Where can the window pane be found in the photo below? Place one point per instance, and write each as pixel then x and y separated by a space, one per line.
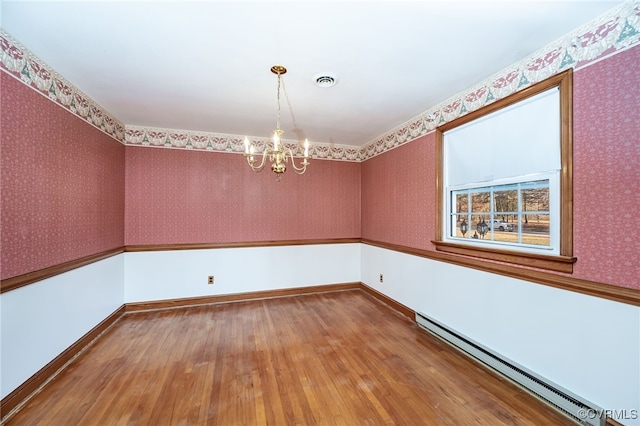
pixel 535 196
pixel 535 229
pixel 480 201
pixel 462 226
pixel 462 202
pixel 480 226
pixel 506 200
pixel 505 228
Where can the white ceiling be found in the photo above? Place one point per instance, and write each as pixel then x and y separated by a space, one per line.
pixel 204 65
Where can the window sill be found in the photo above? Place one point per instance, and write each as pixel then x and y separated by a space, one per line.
pixel 532 260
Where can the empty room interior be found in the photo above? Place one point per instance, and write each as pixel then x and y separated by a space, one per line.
pixel 345 212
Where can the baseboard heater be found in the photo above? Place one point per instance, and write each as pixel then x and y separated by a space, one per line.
pixel 575 407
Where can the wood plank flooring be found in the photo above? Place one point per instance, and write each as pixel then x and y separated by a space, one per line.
pixel 339 358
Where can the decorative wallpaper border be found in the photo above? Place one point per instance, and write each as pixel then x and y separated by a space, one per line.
pixel 221 142
pixel 32 71
pixel 617 30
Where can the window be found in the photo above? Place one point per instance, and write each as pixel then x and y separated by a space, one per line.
pixel 515 215
pixel 505 179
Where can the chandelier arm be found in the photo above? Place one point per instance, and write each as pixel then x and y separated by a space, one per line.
pixel 256 169
pixel 262 163
pixel 298 170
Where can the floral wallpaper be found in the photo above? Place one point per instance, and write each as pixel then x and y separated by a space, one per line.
pixel 606 170
pixel 62 183
pixel 398 195
pixel 178 196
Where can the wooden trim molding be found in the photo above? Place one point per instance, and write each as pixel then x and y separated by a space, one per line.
pixel 26 390
pixel 592 288
pixel 612 422
pixel 565 84
pixel 395 305
pixel 606 291
pixel 268 294
pixel 552 263
pixel 206 246
pixel 18 281
pixel 235 297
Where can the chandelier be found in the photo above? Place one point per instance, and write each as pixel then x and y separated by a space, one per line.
pixel 277 154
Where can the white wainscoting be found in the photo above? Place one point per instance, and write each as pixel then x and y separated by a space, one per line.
pixel 589 346
pixel 162 275
pixel 41 320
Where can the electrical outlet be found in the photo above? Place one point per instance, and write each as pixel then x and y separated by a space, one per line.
pixel 381 278
pixel 210 279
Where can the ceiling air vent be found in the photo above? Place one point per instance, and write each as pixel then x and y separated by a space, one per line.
pixel 325 80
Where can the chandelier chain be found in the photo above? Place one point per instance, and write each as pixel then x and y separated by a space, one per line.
pixel 278 98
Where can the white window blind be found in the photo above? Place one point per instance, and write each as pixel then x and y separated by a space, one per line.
pixel 515 141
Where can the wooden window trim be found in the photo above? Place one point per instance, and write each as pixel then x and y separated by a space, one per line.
pixel 565 260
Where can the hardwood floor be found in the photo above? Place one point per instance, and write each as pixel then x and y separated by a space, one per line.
pixel 339 358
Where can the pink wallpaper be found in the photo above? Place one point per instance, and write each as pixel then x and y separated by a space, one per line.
pixel 607 170
pixel 63 187
pixel 62 183
pixel 179 196
pixel 398 197
pixel 398 186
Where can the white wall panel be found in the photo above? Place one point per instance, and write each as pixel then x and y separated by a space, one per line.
pixel 589 346
pixel 164 275
pixel 41 320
